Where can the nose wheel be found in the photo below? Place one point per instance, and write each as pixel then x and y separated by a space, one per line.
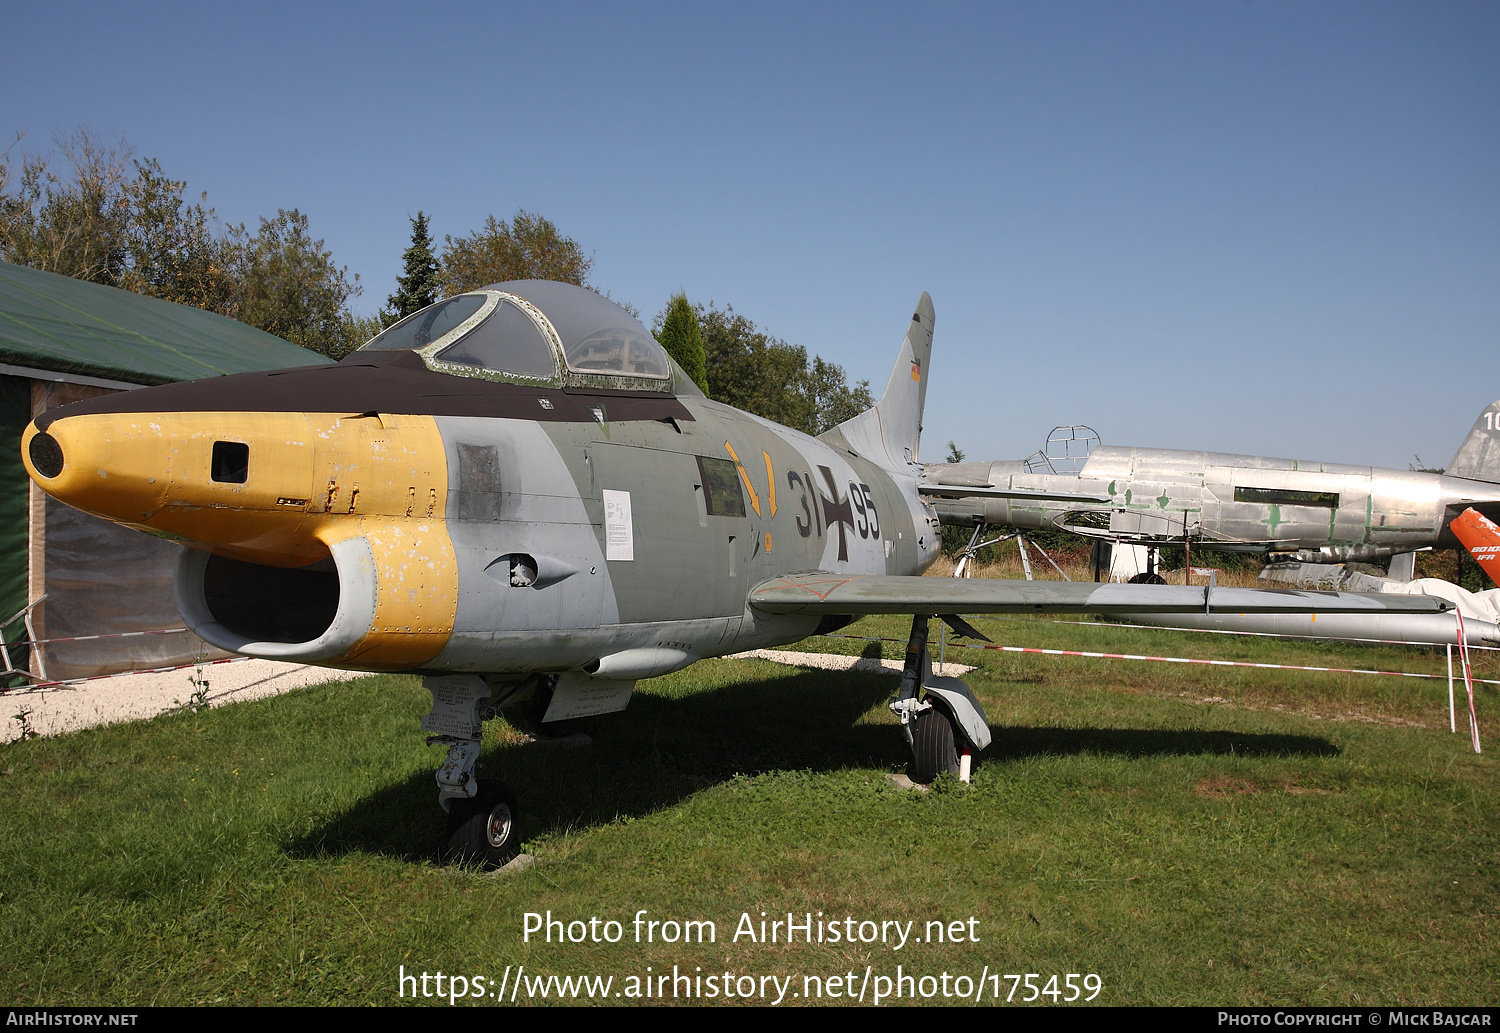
pixel 483 826
pixel 483 829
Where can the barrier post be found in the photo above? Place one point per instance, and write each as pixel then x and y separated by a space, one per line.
pixel 1452 719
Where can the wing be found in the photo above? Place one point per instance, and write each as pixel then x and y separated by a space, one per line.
pixel 824 593
pixel 966 491
pixel 1217 541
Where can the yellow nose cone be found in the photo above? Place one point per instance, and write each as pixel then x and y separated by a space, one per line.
pixel 241 483
pixel 111 465
pixel 267 487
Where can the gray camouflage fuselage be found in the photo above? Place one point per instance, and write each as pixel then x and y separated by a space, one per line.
pixel 805 505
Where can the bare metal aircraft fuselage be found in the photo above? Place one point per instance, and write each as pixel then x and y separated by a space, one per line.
pixel 1314 510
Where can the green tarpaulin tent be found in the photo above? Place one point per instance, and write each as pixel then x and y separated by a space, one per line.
pixel 64 325
pixel 61 337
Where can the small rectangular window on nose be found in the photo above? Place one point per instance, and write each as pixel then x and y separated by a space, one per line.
pixel 231 462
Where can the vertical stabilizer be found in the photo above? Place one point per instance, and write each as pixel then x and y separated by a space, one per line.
pixel 890 432
pixel 1478 458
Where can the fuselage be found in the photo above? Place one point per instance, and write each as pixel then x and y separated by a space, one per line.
pixel 378 514
pixel 1221 500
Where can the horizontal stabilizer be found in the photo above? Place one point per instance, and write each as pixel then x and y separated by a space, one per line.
pixel 824 593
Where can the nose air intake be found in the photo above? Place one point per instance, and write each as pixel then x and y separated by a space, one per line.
pixel 271 604
pixel 306 614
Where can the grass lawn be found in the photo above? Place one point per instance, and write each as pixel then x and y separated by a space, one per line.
pixel 1189 835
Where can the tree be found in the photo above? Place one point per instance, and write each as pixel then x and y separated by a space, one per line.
pixel 75 228
pixel 955 454
pixel 417 287
pixel 528 248
pixel 110 218
pixel 682 337
pixel 117 220
pixel 172 250
pixel 751 370
pixel 833 400
pixel 291 287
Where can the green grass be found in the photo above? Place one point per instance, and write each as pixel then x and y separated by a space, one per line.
pixel 1303 839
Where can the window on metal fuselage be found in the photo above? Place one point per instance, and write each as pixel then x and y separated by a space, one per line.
pixel 721 487
pixel 1287 497
pixel 231 462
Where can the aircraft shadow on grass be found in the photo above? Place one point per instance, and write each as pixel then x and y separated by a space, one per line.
pixel 661 751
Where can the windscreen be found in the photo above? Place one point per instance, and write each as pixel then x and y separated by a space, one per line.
pixel 507 342
pixel 422 328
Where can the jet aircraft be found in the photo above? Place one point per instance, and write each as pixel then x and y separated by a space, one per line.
pixel 517 494
pixel 1309 511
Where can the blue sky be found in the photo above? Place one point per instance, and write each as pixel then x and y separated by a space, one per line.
pixel 1252 227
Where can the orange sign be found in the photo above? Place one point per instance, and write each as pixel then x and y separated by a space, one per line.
pixel 1481 537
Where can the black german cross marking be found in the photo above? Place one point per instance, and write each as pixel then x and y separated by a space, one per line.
pixel 841 512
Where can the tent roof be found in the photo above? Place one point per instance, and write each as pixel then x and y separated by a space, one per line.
pixel 57 323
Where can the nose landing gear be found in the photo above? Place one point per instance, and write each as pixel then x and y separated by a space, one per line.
pixel 483 829
pixel 483 825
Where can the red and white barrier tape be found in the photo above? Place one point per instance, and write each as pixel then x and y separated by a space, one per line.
pixel 70 682
pixel 91 638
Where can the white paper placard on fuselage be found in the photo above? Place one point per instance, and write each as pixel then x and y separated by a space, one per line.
pixel 578 695
pixel 619 535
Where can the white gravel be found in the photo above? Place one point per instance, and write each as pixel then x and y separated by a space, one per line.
pixel 134 697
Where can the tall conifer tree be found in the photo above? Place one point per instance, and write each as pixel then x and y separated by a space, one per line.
pixel 682 337
pixel 417 287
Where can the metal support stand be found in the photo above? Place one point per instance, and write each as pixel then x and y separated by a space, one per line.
pixel 1043 553
pixel 970 555
pixel 1187 552
pixel 24 616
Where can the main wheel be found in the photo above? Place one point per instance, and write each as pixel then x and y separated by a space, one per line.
pixel 933 744
pixel 1148 579
pixel 484 829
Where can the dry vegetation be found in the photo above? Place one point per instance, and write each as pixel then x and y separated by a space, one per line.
pixel 1075 563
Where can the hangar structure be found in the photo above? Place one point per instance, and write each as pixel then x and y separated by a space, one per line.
pixel 63 340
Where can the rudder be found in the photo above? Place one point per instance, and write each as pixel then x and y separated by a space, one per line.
pixel 1478 458
pixel 890 432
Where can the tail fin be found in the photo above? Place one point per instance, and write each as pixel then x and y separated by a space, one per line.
pixel 890 432
pixel 1478 458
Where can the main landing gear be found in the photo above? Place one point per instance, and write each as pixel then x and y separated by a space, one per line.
pixel 943 722
pixel 483 825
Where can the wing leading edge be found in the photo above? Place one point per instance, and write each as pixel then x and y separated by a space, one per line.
pixel 825 593
pixel 965 491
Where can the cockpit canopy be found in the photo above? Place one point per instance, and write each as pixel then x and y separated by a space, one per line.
pixel 534 332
